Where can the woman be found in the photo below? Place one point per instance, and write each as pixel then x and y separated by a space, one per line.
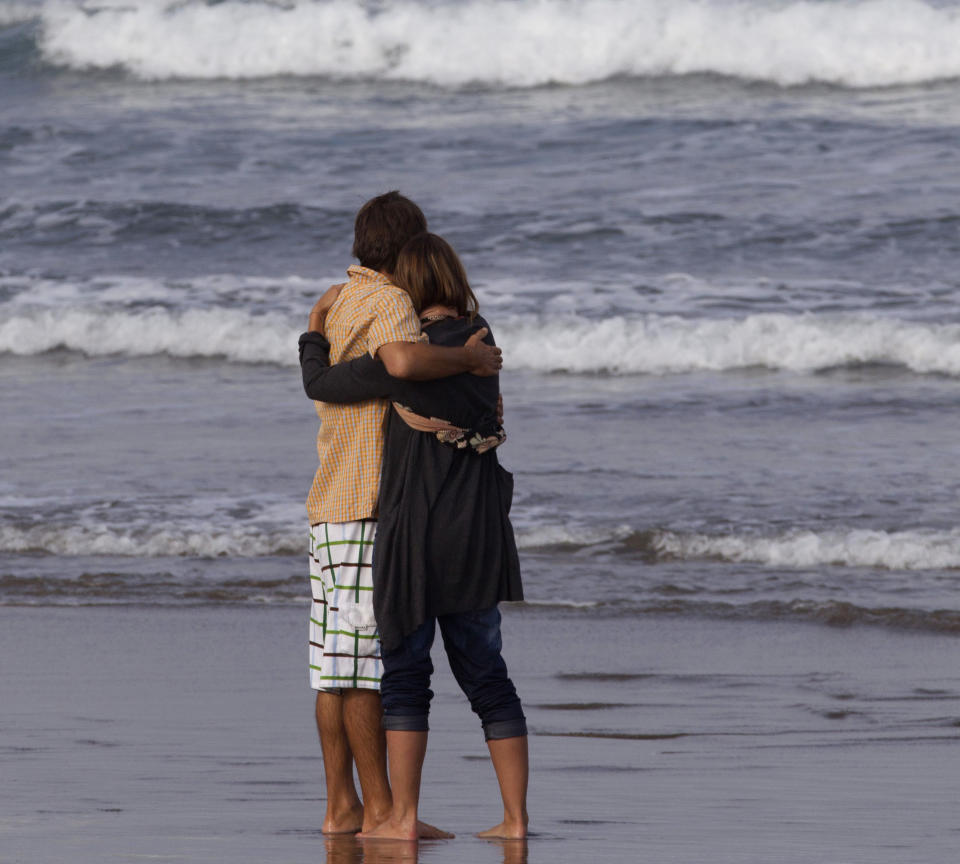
pixel 445 551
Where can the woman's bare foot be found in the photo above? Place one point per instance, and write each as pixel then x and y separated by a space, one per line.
pixel 506 831
pixel 392 829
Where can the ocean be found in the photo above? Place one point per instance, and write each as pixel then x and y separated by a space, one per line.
pixel 716 239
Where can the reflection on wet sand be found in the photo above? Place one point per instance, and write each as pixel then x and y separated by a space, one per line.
pixel 347 849
pixel 514 851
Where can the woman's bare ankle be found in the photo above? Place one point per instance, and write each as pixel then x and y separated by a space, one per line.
pixel 509 829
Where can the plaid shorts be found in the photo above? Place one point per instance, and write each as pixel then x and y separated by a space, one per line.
pixel 344 643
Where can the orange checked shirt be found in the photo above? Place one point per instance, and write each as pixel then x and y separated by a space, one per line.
pixel 369 312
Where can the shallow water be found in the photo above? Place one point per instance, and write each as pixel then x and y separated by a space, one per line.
pixel 187 733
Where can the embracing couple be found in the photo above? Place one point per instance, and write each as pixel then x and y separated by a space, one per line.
pixel 409 524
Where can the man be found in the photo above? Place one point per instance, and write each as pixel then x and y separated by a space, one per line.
pixel 368 314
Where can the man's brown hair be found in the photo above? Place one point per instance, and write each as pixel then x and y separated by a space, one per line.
pixel 431 273
pixel 381 228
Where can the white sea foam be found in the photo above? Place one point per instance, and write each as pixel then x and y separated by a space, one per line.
pixel 15 13
pixel 656 344
pixel 229 333
pixel 206 540
pixel 152 541
pixel 890 550
pixel 115 291
pixel 647 344
pixel 857 43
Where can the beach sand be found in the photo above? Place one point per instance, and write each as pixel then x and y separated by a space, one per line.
pixel 186 734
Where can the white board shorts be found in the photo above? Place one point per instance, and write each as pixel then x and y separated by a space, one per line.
pixel 344 642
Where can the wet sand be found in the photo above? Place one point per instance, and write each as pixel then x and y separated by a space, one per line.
pixel 186 734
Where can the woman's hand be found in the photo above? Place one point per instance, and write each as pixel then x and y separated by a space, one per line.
pixel 318 315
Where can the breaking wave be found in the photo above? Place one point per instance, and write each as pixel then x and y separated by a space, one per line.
pixel 515 43
pixel 204 540
pixel 256 562
pixel 152 541
pixel 656 344
pixel 232 334
pixel 620 345
pixel 889 550
pixel 886 550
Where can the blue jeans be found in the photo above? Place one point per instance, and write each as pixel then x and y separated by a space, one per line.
pixel 473 644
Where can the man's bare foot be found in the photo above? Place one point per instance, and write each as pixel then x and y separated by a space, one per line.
pixel 426 831
pixel 506 831
pixel 344 821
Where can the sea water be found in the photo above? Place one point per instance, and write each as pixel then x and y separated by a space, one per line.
pixel 717 242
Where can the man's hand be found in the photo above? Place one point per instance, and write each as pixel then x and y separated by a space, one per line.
pixel 318 315
pixel 485 359
pixel 420 361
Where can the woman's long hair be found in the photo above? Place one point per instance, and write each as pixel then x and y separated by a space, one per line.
pixel 431 273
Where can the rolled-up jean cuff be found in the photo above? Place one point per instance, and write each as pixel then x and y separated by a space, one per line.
pixel 406 722
pixel 505 729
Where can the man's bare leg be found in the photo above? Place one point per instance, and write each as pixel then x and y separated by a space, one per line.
pixel 511 762
pixel 361 717
pixel 344 810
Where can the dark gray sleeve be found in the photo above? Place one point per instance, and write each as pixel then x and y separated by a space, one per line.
pixel 352 381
